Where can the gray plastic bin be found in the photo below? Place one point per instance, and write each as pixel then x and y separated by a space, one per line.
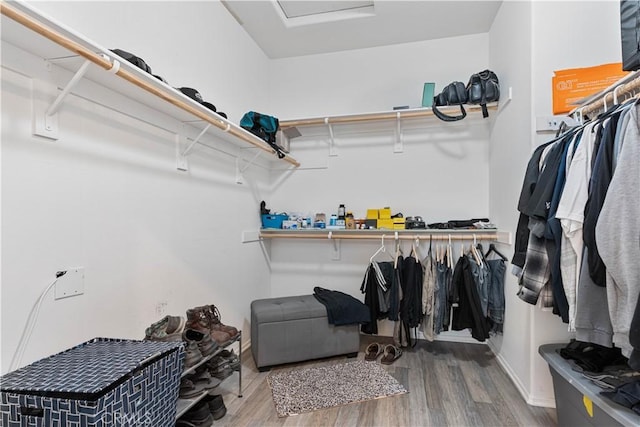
pixel 570 389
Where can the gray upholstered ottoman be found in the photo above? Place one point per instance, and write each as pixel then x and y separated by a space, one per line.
pixel 293 329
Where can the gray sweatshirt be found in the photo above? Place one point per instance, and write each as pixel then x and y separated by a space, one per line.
pixel 618 235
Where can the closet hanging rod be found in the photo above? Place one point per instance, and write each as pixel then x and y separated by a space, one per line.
pixel 356 118
pixel 40 28
pixel 628 84
pixel 355 236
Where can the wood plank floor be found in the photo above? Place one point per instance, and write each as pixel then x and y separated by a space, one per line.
pixel 450 384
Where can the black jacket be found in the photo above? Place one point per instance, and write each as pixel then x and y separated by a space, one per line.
pixel 342 309
pixel 468 314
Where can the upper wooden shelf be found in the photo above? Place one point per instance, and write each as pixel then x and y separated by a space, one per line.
pixel 473 112
pixel 399 122
pixel 31 31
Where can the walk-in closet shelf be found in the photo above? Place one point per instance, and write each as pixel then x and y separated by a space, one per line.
pixel 59 46
pixel 420 234
pixel 398 122
pixel 184 405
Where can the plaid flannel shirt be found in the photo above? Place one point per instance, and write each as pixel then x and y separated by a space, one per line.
pixel 534 281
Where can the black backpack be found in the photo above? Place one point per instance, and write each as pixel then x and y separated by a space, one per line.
pixel 483 87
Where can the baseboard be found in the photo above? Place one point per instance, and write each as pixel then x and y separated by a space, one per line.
pixel 246 345
pixel 458 338
pixel 531 400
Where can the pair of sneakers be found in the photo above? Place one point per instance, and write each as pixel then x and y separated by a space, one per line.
pixel 169 328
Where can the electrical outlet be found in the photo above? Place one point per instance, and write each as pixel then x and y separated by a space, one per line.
pixel 552 123
pixel 70 284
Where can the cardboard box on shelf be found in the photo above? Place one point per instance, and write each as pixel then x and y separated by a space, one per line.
pixel 572 85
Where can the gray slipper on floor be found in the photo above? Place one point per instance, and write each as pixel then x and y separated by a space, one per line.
pixel 391 354
pixel 373 351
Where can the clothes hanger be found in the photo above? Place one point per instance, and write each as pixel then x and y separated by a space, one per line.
pixel 398 252
pixel 492 248
pixel 474 253
pixel 414 249
pixel 381 249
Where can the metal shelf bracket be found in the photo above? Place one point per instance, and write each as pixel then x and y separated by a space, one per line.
pixel 241 170
pixel 332 143
pixel 398 146
pixel 45 115
pixel 184 147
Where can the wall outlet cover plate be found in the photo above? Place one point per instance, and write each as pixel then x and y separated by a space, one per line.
pixel 71 284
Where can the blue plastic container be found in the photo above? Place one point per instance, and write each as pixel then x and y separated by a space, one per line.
pixel 273 221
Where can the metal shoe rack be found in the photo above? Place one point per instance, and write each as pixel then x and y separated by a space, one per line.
pixel 184 405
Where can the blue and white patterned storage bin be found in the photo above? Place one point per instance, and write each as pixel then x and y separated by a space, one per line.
pixel 103 382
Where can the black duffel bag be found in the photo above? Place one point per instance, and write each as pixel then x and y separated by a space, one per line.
pixel 453 94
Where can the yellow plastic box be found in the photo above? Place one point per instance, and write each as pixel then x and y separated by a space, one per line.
pixel 385 223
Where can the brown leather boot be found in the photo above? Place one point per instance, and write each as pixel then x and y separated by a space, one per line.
pixel 214 315
pixel 199 319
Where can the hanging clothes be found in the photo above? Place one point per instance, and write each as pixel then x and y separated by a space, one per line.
pixel 617 234
pixel 411 304
pixel 439 296
pixel 395 291
pixel 570 213
pixel 536 272
pixel 553 233
pixel 481 278
pixel 495 312
pixel 468 313
pixel 585 215
pixel 369 288
pixel 600 178
pixel 428 296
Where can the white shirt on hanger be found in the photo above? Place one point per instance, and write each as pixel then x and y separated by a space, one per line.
pixel 571 215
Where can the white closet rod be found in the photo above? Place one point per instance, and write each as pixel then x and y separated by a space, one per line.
pixel 626 85
pixel 390 236
pixel 18 16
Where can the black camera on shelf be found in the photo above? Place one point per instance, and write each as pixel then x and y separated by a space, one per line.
pixel 411 223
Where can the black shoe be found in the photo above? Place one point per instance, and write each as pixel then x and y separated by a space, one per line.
pixel 199 415
pixel 216 406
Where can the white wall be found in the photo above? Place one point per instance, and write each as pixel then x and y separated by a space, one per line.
pixel 590 37
pixel 510 57
pixel 442 173
pixel 107 195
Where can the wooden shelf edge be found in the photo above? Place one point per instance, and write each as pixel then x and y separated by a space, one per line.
pixel 414 113
pixel 421 234
pixel 38 24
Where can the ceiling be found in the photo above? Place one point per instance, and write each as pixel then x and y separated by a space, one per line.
pixel 295 28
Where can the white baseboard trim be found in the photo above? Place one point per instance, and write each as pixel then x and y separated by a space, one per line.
pixel 531 400
pixel 246 345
